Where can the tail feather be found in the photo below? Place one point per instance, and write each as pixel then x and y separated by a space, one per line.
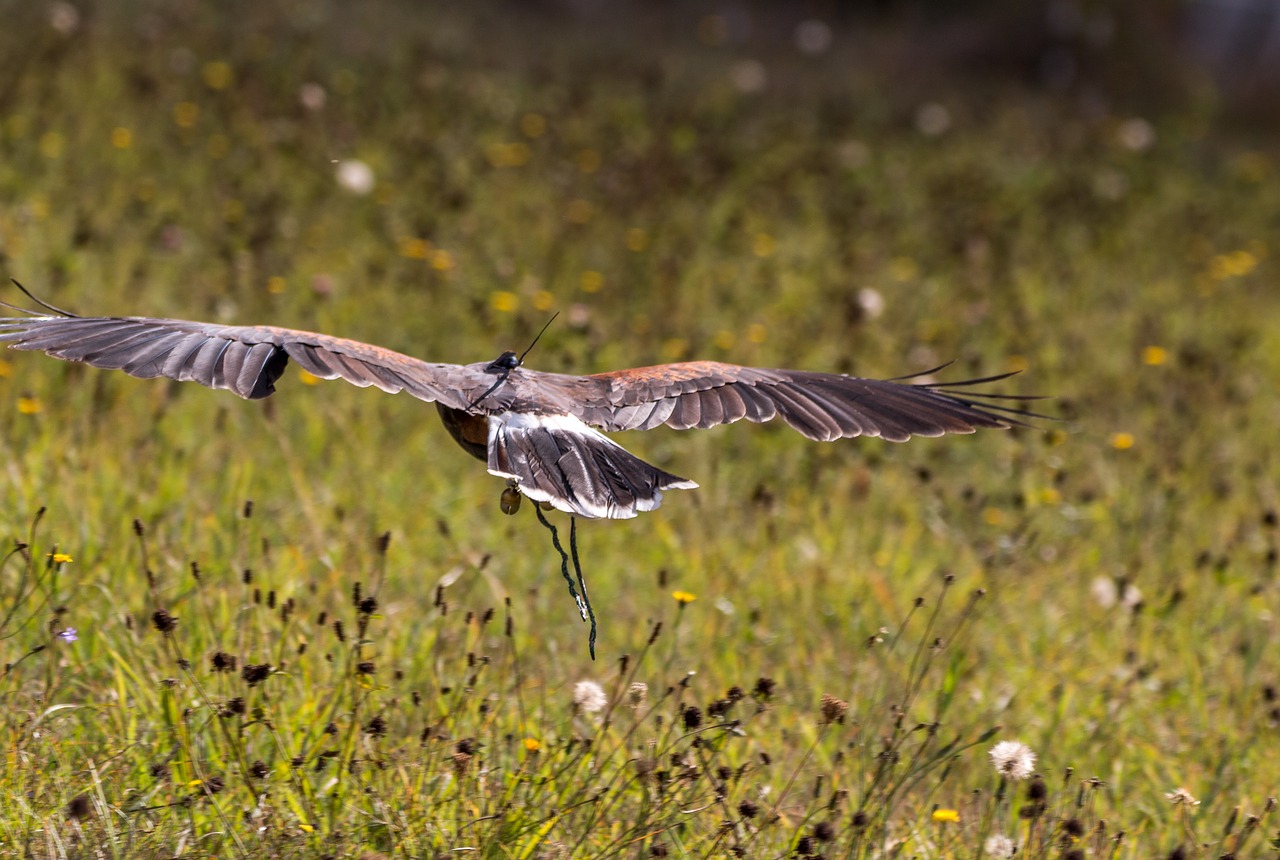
pixel 559 459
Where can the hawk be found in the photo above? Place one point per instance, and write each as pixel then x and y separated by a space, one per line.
pixel 541 431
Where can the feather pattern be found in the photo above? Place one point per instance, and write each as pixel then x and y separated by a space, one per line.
pixel 559 459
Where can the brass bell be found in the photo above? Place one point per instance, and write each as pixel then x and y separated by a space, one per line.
pixel 510 502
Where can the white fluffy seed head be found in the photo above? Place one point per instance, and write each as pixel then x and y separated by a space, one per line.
pixel 589 697
pixel 1013 760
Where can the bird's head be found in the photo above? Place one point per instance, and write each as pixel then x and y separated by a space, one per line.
pixel 504 363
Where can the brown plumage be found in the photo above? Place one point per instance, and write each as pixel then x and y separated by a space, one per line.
pixel 538 430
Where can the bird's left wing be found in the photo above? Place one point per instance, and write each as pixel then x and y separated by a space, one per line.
pixel 821 406
pixel 246 360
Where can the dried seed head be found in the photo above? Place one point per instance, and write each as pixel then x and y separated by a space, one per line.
pixel 223 662
pixel 764 688
pixel 79 807
pixel 368 606
pixel 377 727
pixel 255 673
pixel 259 769
pixel 692 717
pixel 637 694
pixel 833 709
pixel 748 808
pixel 163 621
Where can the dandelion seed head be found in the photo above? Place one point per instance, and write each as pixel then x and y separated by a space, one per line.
pixel 312 96
pixel 813 36
pixel 1013 760
pixel 355 176
pixel 589 697
pixel 64 18
pixel 933 119
pixel 871 302
pixel 749 76
pixel 1000 846
pixel 1104 592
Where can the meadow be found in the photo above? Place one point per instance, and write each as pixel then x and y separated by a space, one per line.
pixel 301 627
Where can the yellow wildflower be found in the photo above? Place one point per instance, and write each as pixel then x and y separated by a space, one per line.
pixel 503 301
pixel 1155 356
pixel 684 597
pixel 591 281
pixel 532 744
pixel 533 125
pixel 946 815
pixel 185 114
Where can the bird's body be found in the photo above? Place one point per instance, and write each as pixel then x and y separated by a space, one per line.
pixel 541 431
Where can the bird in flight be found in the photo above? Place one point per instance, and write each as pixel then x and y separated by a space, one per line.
pixel 541 431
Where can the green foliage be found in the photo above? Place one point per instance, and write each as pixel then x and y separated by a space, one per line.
pixel 869 619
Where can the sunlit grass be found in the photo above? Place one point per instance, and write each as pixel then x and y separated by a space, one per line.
pixel 829 638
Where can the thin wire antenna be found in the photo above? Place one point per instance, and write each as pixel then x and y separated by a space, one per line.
pixel 506 369
pixel 40 302
pixel 540 334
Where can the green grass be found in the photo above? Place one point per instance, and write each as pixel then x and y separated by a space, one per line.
pixel 158 161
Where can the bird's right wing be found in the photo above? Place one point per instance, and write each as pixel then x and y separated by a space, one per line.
pixel 246 360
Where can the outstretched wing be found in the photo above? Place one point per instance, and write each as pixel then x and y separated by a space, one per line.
pixel 822 406
pixel 246 360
